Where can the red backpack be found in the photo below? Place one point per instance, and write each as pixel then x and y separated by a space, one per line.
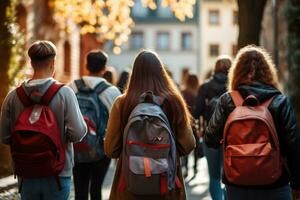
pixel 37 149
pixel 251 146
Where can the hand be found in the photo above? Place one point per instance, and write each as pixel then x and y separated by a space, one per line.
pixel 296 194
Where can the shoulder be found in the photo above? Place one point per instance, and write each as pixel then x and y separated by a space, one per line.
pixel 113 90
pixel 66 92
pixel 10 97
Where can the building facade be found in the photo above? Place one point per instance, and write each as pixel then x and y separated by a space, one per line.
pixel 35 18
pixel 219 31
pixel 177 43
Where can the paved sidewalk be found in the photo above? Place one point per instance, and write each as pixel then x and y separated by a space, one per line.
pixel 197 187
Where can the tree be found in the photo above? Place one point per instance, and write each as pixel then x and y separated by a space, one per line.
pixel 250 18
pixel 293 40
pixel 5 55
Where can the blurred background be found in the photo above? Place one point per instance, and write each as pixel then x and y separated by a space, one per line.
pixel 187 35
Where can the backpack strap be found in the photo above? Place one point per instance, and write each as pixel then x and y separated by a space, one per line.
pixel 237 98
pixel 268 102
pixel 24 98
pixel 81 86
pixel 103 85
pixel 50 93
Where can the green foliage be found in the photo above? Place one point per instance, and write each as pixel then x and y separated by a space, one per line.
pixel 293 40
pixel 17 44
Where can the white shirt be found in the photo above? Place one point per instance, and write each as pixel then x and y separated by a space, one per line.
pixel 107 97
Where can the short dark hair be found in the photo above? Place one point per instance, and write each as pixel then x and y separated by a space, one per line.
pixel 41 52
pixel 96 61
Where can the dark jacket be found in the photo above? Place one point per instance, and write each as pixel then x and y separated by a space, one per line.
pixel 286 127
pixel 213 87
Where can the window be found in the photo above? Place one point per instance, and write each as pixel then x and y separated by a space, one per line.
pixel 163 41
pixel 213 50
pixel 139 10
pixel 214 17
pixel 186 41
pixel 233 49
pixel 136 40
pixel 164 12
pixel 235 16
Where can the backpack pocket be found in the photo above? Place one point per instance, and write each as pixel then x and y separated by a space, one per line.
pixel 251 164
pixel 35 165
pixel 147 176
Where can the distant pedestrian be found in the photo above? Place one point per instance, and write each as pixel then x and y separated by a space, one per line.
pixel 154 167
pixel 185 72
pixel 122 82
pixel 40 120
pixel 261 140
pixel 190 94
pixel 207 98
pixel 95 96
pixel 110 75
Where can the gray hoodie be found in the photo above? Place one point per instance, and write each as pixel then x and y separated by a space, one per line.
pixel 65 108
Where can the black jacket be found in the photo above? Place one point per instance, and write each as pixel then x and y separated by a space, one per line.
pixel 285 122
pixel 213 87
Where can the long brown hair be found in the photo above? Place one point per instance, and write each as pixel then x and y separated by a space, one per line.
pixel 149 74
pixel 252 64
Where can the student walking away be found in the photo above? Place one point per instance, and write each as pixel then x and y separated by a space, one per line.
pixel 95 97
pixel 207 99
pixel 110 75
pixel 257 126
pixel 40 120
pixel 147 135
pixel 189 94
pixel 123 79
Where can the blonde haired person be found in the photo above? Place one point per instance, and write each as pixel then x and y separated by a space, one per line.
pixel 253 73
pixel 148 74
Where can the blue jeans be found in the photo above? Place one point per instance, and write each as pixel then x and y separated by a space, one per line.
pixel 214 159
pixel 45 189
pixel 237 193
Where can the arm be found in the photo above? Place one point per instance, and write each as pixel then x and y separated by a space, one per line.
pixel 113 138
pixel 185 140
pixel 5 126
pixel 109 96
pixel 214 131
pixel 76 126
pixel 290 139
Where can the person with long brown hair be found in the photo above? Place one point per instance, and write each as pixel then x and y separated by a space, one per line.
pixel 254 77
pixel 148 74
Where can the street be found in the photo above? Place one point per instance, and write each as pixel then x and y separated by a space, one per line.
pixel 197 187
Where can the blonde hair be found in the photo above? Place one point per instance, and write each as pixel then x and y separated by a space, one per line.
pixel 252 64
pixel 41 51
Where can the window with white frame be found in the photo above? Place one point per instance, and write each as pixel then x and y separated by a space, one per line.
pixel 136 40
pixel 163 41
pixel 186 41
pixel 214 17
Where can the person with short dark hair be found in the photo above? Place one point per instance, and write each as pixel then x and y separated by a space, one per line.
pixel 68 116
pixel 90 170
pixel 122 82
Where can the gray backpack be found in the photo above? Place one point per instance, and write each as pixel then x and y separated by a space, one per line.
pixel 149 150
